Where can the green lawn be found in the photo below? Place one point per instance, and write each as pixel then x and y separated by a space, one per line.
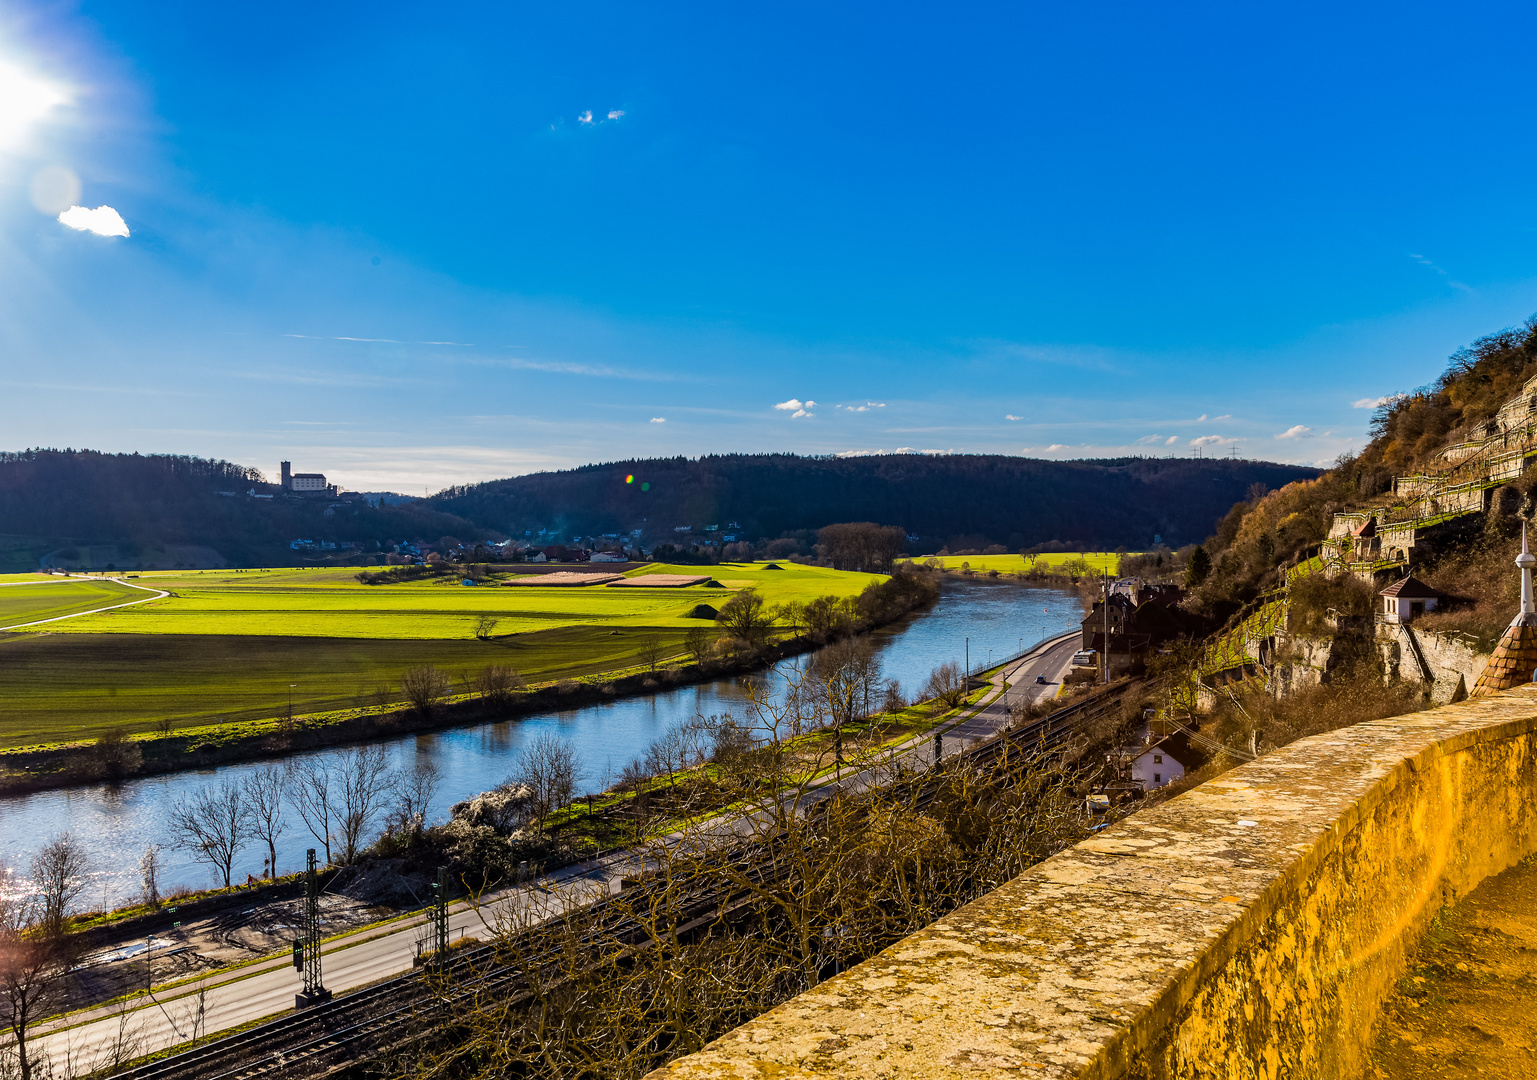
pixel 228 644
pixel 1014 564
pixel 331 603
pixel 31 597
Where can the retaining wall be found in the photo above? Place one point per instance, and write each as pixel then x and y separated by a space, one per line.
pixel 1250 927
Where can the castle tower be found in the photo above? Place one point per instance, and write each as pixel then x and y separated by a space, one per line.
pixel 1515 657
pixel 288 478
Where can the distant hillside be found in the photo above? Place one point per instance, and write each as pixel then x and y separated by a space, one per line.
pixel 92 509
pixel 959 501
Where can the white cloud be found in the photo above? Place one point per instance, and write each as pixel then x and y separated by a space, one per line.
pixel 1212 440
pixel 1224 416
pixel 585 117
pixel 1171 440
pixel 798 413
pixel 1374 402
pixel 659 419
pixel 1296 431
pixel 1149 439
pixel 1011 416
pixel 792 404
pixel 615 114
pixel 1054 447
pixel 103 221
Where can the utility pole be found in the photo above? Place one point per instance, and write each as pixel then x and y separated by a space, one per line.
pixel 307 945
pixel 1104 609
pixel 440 918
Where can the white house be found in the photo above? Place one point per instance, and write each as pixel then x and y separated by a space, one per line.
pixel 1406 598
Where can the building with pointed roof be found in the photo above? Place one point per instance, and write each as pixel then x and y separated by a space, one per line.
pixel 1406 598
pixel 1515 658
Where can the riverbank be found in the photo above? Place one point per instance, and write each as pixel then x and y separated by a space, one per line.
pixel 26 770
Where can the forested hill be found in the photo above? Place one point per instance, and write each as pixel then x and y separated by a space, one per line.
pixel 166 511
pixel 959 501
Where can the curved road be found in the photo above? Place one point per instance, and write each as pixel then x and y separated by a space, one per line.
pixel 156 594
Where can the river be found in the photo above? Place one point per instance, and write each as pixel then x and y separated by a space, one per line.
pixel 116 822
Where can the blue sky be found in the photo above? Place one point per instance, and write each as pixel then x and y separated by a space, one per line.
pixel 412 247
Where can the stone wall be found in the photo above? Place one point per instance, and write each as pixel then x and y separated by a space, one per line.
pixel 1250 927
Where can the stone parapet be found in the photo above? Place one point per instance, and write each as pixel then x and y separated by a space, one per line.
pixel 1250 927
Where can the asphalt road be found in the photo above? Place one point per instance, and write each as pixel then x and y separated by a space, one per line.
pixel 233 997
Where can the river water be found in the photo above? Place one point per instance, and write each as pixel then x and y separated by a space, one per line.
pixel 116 822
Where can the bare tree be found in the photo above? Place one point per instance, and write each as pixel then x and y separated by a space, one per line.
pixel 32 961
pixel 549 770
pixel 947 685
pixel 58 874
pixel 485 626
pixel 744 617
pixel 700 642
pixel 309 783
pixel 842 678
pixel 424 687
pixel 364 785
pixel 264 790
pixel 149 875
pixel 213 825
pixel 497 683
pixel 415 790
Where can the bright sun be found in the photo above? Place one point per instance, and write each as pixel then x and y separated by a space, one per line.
pixel 24 99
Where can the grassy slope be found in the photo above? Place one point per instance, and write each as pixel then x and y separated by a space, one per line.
pixel 1014 564
pixel 60 686
pixel 30 598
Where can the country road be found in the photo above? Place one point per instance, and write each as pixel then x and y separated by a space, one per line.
pixel 155 594
pixel 233 997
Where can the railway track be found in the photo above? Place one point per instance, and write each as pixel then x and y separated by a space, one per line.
pixel 350 1027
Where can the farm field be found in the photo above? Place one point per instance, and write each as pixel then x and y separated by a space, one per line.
pixel 229 644
pixel 332 603
pixel 30 597
pixel 66 687
pixel 1014 564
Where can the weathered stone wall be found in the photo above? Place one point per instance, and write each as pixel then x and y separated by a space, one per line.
pixel 1250 927
pixel 1451 653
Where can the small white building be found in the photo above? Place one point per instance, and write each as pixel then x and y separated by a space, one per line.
pixel 1155 767
pixel 1406 598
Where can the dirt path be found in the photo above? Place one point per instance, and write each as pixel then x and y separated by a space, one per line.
pixel 1467 1007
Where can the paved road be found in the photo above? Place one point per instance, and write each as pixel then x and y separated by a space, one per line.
pixel 155 594
pixel 231 998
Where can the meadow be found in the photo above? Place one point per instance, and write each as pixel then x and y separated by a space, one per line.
pixel 232 646
pixel 31 598
pixel 1099 561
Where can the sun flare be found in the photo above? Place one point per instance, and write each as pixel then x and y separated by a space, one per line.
pixel 24 100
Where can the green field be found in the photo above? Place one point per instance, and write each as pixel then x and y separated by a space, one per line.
pixel 332 603
pixel 228 645
pixel 1014 564
pixel 32 597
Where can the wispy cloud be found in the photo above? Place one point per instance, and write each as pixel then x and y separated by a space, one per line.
pixel 380 340
pixel 1171 440
pixel 1374 402
pixel 1011 416
pixel 615 114
pixel 1148 440
pixel 1451 281
pixel 1296 431
pixel 659 419
pixel 103 221
pixel 585 117
pixel 1212 440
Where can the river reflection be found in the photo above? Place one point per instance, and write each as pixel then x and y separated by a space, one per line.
pixel 117 822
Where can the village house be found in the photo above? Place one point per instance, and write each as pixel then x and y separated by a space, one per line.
pixel 1407 598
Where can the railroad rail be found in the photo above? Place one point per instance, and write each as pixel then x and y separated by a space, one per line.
pixel 351 1027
